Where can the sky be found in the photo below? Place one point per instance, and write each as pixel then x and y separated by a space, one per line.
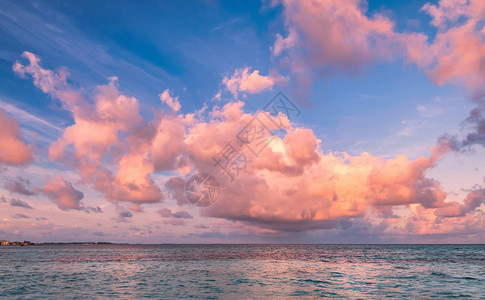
pixel 320 121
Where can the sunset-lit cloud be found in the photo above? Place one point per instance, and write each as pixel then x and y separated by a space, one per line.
pixel 63 194
pixel 291 186
pixel 117 159
pixel 172 102
pixel 13 150
pixel 245 81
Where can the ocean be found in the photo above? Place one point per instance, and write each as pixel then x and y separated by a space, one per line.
pixel 242 271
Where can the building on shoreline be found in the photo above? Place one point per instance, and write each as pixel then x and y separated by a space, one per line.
pixel 16 243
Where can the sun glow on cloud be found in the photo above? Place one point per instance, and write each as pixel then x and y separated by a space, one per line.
pixel 296 185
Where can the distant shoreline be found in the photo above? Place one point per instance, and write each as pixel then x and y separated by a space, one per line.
pixel 230 244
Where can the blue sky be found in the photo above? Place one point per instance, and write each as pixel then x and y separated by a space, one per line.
pixel 161 45
pixel 385 107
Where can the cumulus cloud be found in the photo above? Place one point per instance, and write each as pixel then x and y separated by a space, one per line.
pixel 327 36
pixel 331 36
pixel 63 194
pixel 20 186
pixel 458 49
pixel 95 136
pixel 245 81
pixel 331 188
pixel 456 55
pixel 472 201
pixel 172 102
pixel 176 188
pixel 13 151
pixel 290 186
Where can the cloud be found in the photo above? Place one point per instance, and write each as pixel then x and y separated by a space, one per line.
pixel 125 214
pixel 13 151
pixel 20 216
pixel 95 136
pixel 201 226
pixel 20 186
pixel 182 215
pixel 174 218
pixel 456 54
pixel 167 143
pixel 453 209
pixel 326 37
pixel 30 121
pixel 332 36
pixel 175 222
pixel 176 188
pixel 329 36
pixel 50 82
pixel 136 208
pixel 292 185
pixel 281 44
pixel 167 213
pixel 328 189
pixel 245 81
pixel 19 203
pixel 63 194
pixel 96 209
pixel 172 102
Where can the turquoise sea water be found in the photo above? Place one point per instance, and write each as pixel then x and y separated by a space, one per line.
pixel 243 271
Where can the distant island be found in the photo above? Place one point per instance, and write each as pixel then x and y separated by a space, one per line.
pixel 29 243
pixel 17 243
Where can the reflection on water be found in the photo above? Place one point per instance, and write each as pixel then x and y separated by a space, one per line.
pixel 243 271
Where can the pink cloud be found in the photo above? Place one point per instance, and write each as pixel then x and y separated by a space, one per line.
pixel 50 82
pixel 473 200
pixel 13 151
pixel 245 81
pixel 63 194
pixel 292 185
pixel 333 35
pixel 167 213
pixel 172 102
pixel 95 136
pixel 459 47
pixel 327 36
